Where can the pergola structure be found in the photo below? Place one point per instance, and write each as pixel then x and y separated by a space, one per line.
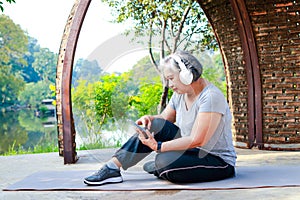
pixel 259 42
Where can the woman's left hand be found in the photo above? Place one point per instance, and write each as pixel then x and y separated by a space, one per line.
pixel 149 141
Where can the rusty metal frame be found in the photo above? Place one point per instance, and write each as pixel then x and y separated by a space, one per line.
pixel 80 9
pixel 252 73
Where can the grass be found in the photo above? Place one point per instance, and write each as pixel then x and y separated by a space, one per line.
pixel 13 150
pixel 48 148
pixel 96 146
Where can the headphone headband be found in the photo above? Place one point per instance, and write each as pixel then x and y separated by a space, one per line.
pixel 185 75
pixel 181 65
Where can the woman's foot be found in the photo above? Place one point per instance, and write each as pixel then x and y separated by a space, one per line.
pixel 103 176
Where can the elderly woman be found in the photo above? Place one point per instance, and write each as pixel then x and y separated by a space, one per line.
pixel 192 136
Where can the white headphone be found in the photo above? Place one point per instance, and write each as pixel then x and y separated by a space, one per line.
pixel 185 75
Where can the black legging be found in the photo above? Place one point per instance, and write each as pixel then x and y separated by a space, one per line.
pixel 192 165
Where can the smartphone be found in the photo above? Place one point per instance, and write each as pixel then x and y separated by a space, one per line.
pixel 141 129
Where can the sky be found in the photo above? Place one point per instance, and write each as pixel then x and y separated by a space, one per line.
pixel 45 20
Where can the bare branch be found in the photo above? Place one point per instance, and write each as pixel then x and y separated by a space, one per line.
pixel 150 48
pixel 163 39
pixel 171 28
pixel 185 39
pixel 185 14
pixel 167 45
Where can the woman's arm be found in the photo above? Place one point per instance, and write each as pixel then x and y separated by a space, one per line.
pixel 204 127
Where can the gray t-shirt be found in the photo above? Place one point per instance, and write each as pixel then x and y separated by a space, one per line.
pixel 210 99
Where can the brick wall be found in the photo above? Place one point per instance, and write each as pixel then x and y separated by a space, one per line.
pixel 276 26
pixel 223 21
pixel 276 29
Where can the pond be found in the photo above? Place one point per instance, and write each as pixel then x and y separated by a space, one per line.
pixel 22 130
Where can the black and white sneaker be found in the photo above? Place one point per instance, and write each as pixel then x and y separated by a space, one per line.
pixel 103 176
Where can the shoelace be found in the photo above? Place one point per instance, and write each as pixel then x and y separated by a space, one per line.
pixel 101 172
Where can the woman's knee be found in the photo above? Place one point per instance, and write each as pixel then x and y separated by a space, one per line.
pixel 157 125
pixel 166 160
pixel 164 130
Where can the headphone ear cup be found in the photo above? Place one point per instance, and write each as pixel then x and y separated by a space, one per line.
pixel 186 76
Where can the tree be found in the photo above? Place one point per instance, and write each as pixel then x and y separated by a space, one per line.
pixel 13 41
pixel 10 86
pixel 86 70
pixel 214 71
pixel 34 93
pixel 1 4
pixel 28 72
pixel 22 60
pixel 179 24
pixel 13 45
pixel 45 64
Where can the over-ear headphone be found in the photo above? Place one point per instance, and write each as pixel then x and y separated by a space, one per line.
pixel 185 75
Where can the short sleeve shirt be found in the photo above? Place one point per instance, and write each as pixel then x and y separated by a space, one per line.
pixel 210 99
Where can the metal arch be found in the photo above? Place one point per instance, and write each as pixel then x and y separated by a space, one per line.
pixel 66 58
pixel 252 72
pixel 254 99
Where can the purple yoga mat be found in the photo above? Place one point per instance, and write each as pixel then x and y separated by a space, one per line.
pixel 246 177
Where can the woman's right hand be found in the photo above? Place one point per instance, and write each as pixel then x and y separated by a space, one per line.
pixel 145 121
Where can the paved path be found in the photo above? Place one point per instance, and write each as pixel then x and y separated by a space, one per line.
pixel 15 168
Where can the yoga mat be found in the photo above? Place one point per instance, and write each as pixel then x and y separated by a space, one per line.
pixel 246 177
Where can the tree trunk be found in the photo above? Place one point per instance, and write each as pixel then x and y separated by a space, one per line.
pixel 164 97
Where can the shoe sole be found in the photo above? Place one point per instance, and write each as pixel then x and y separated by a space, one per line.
pixel 106 181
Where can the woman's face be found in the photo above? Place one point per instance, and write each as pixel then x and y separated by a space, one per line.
pixel 172 75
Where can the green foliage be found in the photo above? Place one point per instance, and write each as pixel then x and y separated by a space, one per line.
pixel 106 99
pixel 9 1
pixel 34 93
pixel 95 145
pixel 45 64
pixel 147 100
pixel 84 109
pixel 29 122
pixel 13 150
pixel 13 43
pixel 103 97
pixel 119 97
pixel 10 86
pixel 16 60
pixel 108 103
pixel 213 70
pixel 22 61
pixel 86 70
pixel 28 72
pixel 11 133
pixel 166 17
pixel 178 25
pixel 21 132
pixel 143 70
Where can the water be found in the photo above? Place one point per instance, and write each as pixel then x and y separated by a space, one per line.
pixel 23 130
pixel 90 134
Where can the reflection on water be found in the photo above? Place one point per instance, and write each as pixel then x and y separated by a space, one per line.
pixel 22 130
pixel 90 135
